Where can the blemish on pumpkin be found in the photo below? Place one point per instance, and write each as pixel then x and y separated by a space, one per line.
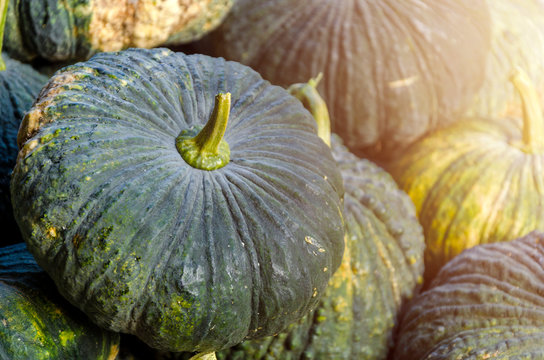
pixel 52 232
pixel 76 241
pixel 402 82
pixel 66 336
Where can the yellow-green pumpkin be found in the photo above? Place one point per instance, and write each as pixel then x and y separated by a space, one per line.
pixel 480 180
pixel 189 253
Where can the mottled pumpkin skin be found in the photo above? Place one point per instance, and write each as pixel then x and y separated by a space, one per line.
pixel 392 70
pixel 37 323
pixel 19 86
pixel 472 183
pixel 517 39
pixel 486 303
pixel 382 268
pixel 188 260
pixel 76 29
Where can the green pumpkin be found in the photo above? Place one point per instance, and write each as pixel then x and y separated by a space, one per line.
pixel 517 39
pixel 486 303
pixel 382 267
pixel 19 86
pixel 37 323
pixel 70 30
pixel 133 229
pixel 478 181
pixel 388 71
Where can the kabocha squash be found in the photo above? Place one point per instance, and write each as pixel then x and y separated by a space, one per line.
pixel 149 244
pixel 381 269
pixel 478 181
pixel 57 30
pixel 37 323
pixel 19 86
pixel 517 39
pixel 486 303
pixel 393 70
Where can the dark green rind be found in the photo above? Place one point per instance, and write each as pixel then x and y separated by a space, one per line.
pixel 49 29
pixel 485 303
pixel 188 260
pixel 19 86
pixel 382 268
pixel 393 70
pixel 37 323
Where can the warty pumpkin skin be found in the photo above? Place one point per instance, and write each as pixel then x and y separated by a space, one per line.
pixel 381 270
pixel 486 303
pixel 393 70
pixel 37 323
pixel 477 181
pixel 74 30
pixel 517 39
pixel 144 243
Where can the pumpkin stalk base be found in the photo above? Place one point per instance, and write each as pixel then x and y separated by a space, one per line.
pixel 207 150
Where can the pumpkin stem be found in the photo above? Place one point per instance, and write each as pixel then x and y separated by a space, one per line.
pixel 313 102
pixel 208 150
pixel 204 356
pixel 533 119
pixel 3 16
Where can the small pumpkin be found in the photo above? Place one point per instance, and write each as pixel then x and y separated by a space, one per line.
pixel 382 266
pixel 19 86
pixel 486 303
pixel 478 181
pixel 393 70
pixel 37 323
pixel 517 39
pixel 74 30
pixel 190 222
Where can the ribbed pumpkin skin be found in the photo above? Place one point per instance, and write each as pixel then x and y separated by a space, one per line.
pixel 517 39
pixel 37 323
pixel 19 86
pixel 472 184
pixel 486 303
pixel 381 269
pixel 188 260
pixel 57 30
pixel 393 70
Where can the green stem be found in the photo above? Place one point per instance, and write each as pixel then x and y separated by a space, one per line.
pixel 313 102
pixel 3 16
pixel 202 356
pixel 533 119
pixel 208 150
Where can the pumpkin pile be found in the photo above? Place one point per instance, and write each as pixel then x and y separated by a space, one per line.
pixel 174 186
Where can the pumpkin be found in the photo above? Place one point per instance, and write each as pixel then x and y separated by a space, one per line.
pixel 517 39
pixel 179 198
pixel 486 303
pixel 74 30
pixel 37 323
pixel 478 181
pixel 382 266
pixel 19 86
pixel 392 70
